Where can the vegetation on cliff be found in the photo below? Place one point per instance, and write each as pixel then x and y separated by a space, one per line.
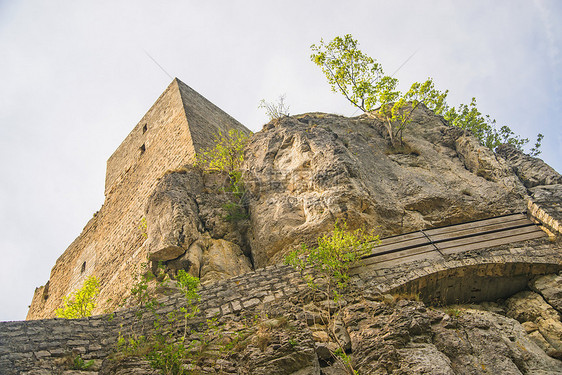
pixel 81 303
pixel 363 82
pixel 331 261
pixel 227 155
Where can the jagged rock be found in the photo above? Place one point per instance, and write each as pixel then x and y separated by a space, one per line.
pixel 172 215
pixel 185 221
pixel 337 368
pixel 320 336
pixel 550 287
pixel 213 210
pixel 423 359
pixel 531 171
pixel 341 335
pixel 480 160
pixel 323 352
pixel 190 261
pixel 408 338
pixel 305 172
pixel 529 306
pixel 485 342
pixel 280 351
pixel 211 260
pixel 127 366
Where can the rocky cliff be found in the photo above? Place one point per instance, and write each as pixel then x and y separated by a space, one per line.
pixel 304 173
pixel 301 175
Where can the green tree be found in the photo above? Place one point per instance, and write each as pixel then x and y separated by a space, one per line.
pixel 331 260
pixel 81 303
pixel 189 285
pixel 357 76
pixel 484 127
pixel 361 79
pixel 227 155
pixel 396 114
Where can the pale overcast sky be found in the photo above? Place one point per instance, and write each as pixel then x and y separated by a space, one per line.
pixel 75 78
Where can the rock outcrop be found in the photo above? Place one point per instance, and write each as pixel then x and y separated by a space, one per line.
pixel 544 186
pixel 305 172
pixel 530 170
pixel 187 229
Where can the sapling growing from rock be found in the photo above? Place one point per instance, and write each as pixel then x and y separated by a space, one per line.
pixel 275 111
pixel 363 82
pixel 227 155
pixel 331 261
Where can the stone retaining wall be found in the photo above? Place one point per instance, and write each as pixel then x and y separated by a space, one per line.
pixel 47 344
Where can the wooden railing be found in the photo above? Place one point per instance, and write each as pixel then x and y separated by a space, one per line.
pixel 444 241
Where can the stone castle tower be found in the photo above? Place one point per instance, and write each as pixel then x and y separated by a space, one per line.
pixel 111 246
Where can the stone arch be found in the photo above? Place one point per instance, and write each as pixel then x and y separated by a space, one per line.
pixel 477 282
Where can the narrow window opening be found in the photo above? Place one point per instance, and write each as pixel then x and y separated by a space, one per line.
pixel 83 267
pixel 142 149
pixel 144 128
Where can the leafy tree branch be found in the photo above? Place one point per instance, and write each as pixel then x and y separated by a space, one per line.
pixel 362 81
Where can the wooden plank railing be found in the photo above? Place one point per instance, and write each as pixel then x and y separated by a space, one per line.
pixel 452 239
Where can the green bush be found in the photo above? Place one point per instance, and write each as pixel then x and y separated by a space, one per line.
pixel 331 260
pixel 335 255
pixel 79 364
pixel 226 155
pixel 81 303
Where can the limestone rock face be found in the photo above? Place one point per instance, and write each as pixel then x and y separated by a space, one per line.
pixel 531 171
pixel 406 337
pixel 221 260
pixel 186 226
pixel 173 216
pixel 542 320
pixel 305 172
pixel 550 288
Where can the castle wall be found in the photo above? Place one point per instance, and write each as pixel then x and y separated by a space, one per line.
pixel 48 344
pixel 111 245
pixel 161 136
pixel 35 345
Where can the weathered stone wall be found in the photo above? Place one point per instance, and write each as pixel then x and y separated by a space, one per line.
pixel 26 346
pixel 50 343
pixel 180 123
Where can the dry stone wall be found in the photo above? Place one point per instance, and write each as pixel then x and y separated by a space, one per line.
pixel 47 345
pixel 52 344
pixel 111 246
